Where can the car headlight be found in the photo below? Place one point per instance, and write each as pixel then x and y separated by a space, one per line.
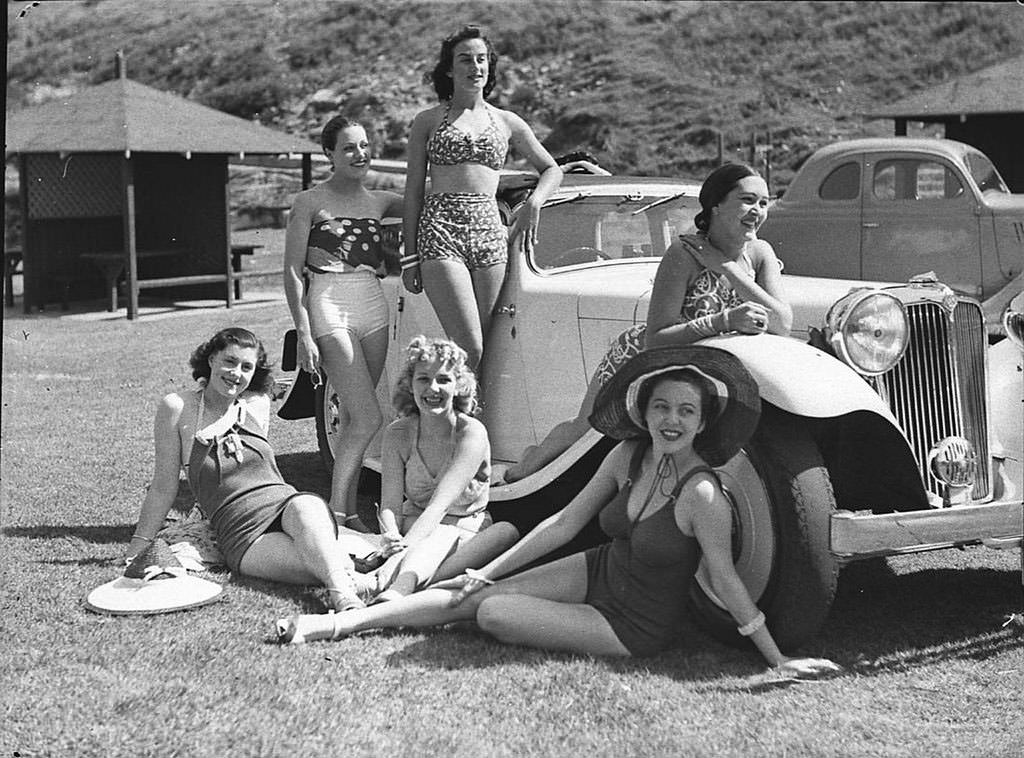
pixel 1013 320
pixel 868 330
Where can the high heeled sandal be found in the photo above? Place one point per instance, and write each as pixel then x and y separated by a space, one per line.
pixel 355 523
pixel 289 630
pixel 348 599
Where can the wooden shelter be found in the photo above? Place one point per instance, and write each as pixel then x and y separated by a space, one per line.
pixel 122 179
pixel 984 109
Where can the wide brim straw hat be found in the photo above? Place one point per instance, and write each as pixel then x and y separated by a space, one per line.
pixel 154 582
pixel 616 412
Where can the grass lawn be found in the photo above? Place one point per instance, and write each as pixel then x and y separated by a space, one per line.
pixel 929 670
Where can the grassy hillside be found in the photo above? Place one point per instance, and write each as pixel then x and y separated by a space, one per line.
pixel 643 85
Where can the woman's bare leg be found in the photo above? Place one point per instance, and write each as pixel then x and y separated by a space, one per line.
pixel 306 552
pixel 353 368
pixel 449 287
pixel 562 585
pixel 477 551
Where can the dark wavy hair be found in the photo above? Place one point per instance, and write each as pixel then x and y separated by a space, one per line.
pixel 719 183
pixel 329 134
pixel 440 78
pixel 262 378
pixel 425 350
pixel 708 396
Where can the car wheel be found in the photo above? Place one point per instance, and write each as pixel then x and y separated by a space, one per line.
pixel 327 423
pixel 782 502
pixel 328 436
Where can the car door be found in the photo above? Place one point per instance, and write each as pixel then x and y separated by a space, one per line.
pixel 815 227
pixel 919 215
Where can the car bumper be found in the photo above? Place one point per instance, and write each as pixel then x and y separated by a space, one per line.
pixel 857 535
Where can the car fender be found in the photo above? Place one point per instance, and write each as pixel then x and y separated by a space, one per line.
pixel 1006 393
pixel 800 378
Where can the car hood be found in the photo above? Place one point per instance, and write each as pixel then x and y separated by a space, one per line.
pixel 614 291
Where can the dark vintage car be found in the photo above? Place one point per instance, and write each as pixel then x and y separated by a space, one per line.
pixel 899 432
pixel 887 209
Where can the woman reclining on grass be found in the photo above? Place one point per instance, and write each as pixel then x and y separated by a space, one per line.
pixel 689 408
pixel 217 433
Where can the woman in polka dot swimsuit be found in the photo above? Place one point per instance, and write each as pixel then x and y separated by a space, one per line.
pixel 333 254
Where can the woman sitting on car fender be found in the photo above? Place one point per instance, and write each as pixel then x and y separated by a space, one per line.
pixel 721 279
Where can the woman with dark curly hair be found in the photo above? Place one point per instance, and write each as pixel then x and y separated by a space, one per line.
pixel 456 246
pixel 217 434
pixel 435 478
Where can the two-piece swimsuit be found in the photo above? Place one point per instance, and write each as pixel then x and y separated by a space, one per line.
pixel 640 580
pixel 469 510
pixel 464 226
pixel 343 258
pixel 235 481
pixel 706 294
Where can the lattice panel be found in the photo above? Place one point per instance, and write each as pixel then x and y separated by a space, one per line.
pixel 77 186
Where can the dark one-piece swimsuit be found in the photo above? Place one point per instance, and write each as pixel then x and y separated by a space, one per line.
pixel 640 580
pixel 237 485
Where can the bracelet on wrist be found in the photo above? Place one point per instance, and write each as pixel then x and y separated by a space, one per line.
pixel 753 625
pixel 138 536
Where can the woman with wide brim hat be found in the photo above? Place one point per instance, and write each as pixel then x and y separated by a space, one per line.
pixel 678 410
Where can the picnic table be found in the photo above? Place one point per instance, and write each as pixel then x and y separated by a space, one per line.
pixel 111 264
pixel 238 249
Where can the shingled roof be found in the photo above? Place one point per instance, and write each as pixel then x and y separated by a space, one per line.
pixel 996 89
pixel 121 115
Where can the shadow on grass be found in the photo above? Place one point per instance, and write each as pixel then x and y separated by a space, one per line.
pixel 885 622
pixel 99 534
pixel 881 623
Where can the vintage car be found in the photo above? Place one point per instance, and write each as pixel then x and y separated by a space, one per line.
pixel 877 441
pixel 887 209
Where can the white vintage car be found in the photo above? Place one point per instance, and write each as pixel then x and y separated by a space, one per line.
pixel 900 432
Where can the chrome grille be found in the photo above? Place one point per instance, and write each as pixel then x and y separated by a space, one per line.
pixel 938 388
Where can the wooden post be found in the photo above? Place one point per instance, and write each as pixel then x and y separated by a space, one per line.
pixel 307 171
pixel 128 224
pixel 227 237
pixel 753 148
pixel 768 162
pixel 721 147
pixel 28 284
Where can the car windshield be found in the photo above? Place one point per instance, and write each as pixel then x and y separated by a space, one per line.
pixel 985 174
pixel 596 228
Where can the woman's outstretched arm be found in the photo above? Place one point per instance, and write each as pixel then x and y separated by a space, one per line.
pixel 471 449
pixel 712 525
pixel 296 237
pixel 415 188
pixel 163 488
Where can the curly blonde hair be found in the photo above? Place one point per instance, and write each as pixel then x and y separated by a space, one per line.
pixel 426 350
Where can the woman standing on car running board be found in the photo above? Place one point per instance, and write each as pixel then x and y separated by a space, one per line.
pixel 456 246
pixel 334 245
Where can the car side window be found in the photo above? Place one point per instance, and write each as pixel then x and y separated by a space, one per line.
pixel 914 179
pixel 842 184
